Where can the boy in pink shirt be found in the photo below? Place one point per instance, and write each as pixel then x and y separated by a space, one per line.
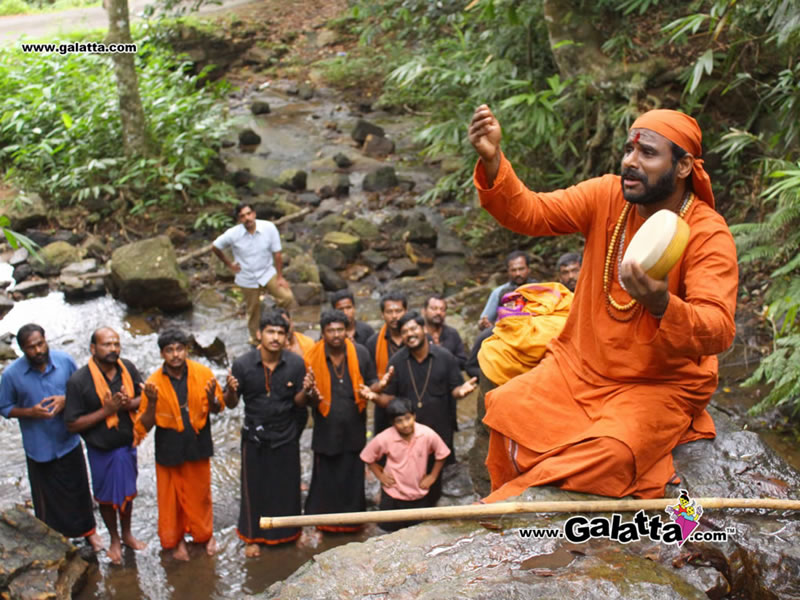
pixel 405 480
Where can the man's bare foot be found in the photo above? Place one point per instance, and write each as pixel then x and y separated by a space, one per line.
pixel 252 550
pixel 181 552
pixel 114 552
pixel 95 541
pixel 132 542
pixel 211 546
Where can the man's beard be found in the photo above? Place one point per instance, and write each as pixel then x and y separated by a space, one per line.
pixel 42 358
pixel 652 194
pixel 111 358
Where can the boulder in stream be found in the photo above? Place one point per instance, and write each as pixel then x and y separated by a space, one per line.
pixel 259 107
pixel 248 137
pixel 378 146
pixel 380 179
pixel 363 129
pixel 24 212
pixel 6 304
pixel 145 274
pixel 346 243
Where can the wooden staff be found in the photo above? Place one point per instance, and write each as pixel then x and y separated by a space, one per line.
pixel 478 511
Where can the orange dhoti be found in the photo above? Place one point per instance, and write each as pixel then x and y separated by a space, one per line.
pixel 184 502
pixel 549 427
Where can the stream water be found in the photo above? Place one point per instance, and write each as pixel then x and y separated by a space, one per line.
pixel 296 134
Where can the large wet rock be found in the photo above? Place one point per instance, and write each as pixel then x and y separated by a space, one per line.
pixel 346 243
pixel 36 561
pixel 146 274
pixel 492 559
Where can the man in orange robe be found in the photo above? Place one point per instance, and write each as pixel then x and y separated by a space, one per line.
pixel 631 374
pixel 177 399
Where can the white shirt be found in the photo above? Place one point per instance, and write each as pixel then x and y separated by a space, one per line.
pixel 253 252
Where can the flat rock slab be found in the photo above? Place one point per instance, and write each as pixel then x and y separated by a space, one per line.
pixel 36 561
pixel 492 559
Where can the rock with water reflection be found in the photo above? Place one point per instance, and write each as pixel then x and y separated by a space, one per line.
pixel 145 274
pixel 467 559
pixel 36 561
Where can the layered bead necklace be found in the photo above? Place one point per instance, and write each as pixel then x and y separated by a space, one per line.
pixel 615 250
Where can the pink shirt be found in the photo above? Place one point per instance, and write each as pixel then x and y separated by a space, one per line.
pixel 406 461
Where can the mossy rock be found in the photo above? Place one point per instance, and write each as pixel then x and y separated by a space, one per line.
pixel 346 243
pixel 55 256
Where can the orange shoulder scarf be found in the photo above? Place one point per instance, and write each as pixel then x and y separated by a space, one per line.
pixel 101 388
pixel 381 352
pixel 168 411
pixel 315 358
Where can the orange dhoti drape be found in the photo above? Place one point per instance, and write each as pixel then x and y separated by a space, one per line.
pixel 184 502
pixel 614 440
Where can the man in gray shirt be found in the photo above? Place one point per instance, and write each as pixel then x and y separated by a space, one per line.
pixel 257 263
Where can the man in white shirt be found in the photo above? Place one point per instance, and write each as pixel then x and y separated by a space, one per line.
pixel 257 263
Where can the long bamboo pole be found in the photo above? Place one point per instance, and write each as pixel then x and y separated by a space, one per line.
pixel 477 511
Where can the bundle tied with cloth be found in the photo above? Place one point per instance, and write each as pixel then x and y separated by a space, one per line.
pixel 527 319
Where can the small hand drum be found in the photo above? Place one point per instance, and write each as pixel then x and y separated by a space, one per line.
pixel 658 244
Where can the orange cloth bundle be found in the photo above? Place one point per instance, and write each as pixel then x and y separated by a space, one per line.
pixel 519 341
pixel 101 388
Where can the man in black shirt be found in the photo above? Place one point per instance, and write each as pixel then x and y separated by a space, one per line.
pixel 177 399
pixel 383 345
pixel 100 401
pixel 430 377
pixel 273 382
pixel 342 371
pixel 434 313
pixel 358 331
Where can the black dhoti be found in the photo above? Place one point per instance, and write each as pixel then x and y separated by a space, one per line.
pixel 270 488
pixel 337 485
pixel 61 496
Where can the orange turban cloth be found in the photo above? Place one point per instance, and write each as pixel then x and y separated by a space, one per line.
pixel 683 131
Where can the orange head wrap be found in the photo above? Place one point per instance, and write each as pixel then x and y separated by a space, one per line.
pixel 683 131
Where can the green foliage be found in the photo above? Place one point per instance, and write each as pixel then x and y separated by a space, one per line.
pixel 60 129
pixel 213 221
pixel 15 239
pixel 776 241
pixel 21 7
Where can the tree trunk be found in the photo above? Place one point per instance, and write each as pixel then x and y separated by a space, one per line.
pixel 135 139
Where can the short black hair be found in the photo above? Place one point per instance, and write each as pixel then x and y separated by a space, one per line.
pixel 172 335
pixel 569 258
pixel 518 254
pixel 677 154
pixel 435 297
pixel 398 407
pixel 274 318
pixel 394 297
pixel 410 316
pixel 27 331
pixel 331 316
pixel 239 208
pixel 341 295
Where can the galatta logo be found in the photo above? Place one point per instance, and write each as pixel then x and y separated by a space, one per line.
pixel 684 520
pixel 686 513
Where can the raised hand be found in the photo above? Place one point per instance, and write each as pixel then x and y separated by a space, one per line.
pixel 387 377
pixel 310 386
pixel 112 403
pixel 366 393
pixel 485 133
pixel 466 388
pixel 151 392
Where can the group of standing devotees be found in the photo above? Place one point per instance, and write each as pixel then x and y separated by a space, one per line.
pixel 627 379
